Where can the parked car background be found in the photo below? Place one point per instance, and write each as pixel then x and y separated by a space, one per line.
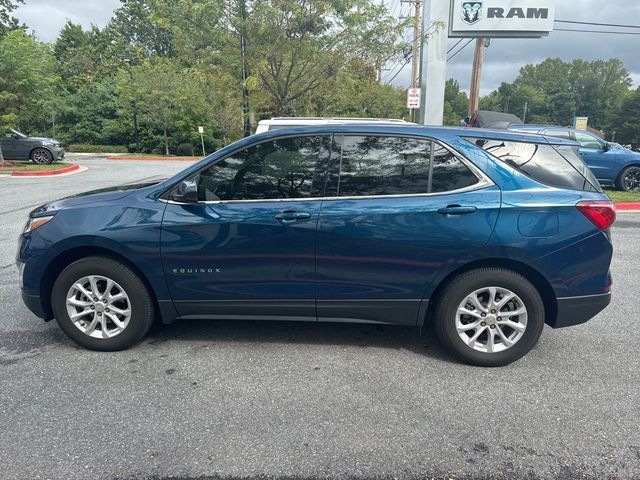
pixel 611 163
pixel 18 146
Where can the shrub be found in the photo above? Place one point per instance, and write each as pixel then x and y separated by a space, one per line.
pixel 184 149
pixel 86 148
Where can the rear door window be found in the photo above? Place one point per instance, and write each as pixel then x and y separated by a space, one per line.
pixel 554 165
pixel 375 165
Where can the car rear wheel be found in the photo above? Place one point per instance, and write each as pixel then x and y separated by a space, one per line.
pixel 102 304
pixel 489 317
pixel 629 179
pixel 41 156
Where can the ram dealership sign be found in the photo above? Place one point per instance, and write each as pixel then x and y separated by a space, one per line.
pixel 501 18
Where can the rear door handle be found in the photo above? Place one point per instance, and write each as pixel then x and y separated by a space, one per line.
pixel 456 210
pixel 291 216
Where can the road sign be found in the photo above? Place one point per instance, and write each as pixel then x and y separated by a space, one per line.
pixel 200 129
pixel 580 123
pixel 413 98
pixel 501 18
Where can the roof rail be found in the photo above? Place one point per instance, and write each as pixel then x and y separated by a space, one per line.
pixel 364 119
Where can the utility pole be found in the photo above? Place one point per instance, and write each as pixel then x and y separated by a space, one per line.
pixel 417 43
pixel 524 115
pixel 476 74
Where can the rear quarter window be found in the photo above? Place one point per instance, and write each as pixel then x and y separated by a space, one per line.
pixel 554 165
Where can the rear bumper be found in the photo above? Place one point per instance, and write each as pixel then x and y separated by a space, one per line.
pixel 577 310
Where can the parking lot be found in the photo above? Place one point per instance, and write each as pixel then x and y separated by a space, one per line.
pixel 225 399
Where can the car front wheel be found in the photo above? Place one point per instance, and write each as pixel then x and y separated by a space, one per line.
pixel 41 156
pixel 101 304
pixel 489 317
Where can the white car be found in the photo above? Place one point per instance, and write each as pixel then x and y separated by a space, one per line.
pixel 288 122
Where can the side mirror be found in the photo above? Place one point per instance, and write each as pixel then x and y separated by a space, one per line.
pixel 186 192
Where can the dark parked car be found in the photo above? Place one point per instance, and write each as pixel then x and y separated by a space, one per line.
pixel 489 119
pixel 18 146
pixel 611 163
pixel 489 235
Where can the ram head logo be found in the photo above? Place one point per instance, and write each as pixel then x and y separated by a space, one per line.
pixel 471 12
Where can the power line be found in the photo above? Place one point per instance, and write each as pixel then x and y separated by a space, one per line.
pixel 594 31
pixel 598 24
pixel 462 48
pixel 457 43
pixel 397 73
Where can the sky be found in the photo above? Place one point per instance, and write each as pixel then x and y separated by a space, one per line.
pixel 503 59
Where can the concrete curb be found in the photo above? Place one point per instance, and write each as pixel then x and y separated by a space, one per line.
pixel 158 159
pixel 628 207
pixel 60 171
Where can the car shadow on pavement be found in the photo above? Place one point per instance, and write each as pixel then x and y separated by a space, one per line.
pixel 422 342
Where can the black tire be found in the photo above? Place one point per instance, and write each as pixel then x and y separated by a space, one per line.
pixel 141 303
pixel 41 156
pixel 463 285
pixel 629 179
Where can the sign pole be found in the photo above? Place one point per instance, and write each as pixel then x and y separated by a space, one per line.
pixel 201 131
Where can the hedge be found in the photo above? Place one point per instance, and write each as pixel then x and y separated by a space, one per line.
pixel 86 148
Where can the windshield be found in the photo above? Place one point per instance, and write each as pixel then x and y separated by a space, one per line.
pixel 21 135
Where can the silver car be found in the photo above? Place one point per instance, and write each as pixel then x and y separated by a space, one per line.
pixel 18 146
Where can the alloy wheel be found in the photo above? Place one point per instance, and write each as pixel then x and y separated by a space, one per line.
pixel 98 306
pixel 491 319
pixel 41 156
pixel 631 180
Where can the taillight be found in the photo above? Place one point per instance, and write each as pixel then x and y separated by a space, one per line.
pixel 602 213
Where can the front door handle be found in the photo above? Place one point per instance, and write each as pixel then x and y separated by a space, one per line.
pixel 456 210
pixel 291 216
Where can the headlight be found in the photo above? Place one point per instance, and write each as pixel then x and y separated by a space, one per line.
pixel 35 223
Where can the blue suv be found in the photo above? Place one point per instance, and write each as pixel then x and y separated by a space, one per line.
pixel 488 235
pixel 611 163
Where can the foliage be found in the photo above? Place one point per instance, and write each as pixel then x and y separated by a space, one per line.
pixel 555 91
pixel 7 21
pixel 628 121
pixel 27 82
pixel 91 148
pixel 456 103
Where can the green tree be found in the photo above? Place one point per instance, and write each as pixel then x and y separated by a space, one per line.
pixel 7 21
pixel 555 91
pixel 221 104
pixel 456 103
pixel 628 121
pixel 163 93
pixel 27 81
pixel 296 46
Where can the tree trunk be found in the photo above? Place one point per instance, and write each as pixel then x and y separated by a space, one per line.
pixel 166 142
pixel 3 162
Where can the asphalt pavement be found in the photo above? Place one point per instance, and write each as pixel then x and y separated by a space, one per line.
pixel 252 400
